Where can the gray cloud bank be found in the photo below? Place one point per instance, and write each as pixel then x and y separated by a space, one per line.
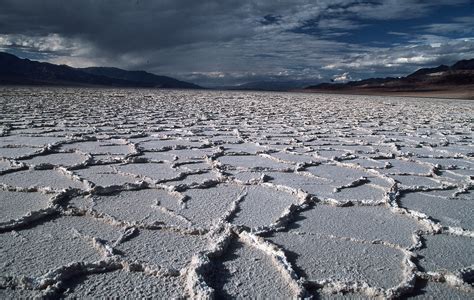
pixel 231 42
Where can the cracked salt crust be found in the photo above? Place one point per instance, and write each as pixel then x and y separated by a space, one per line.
pixel 204 194
pixel 58 159
pixel 17 152
pixel 53 179
pixel 245 271
pixel 262 206
pixel 151 171
pixel 205 206
pixel 119 283
pixel 455 212
pixel 104 175
pixel 319 259
pixel 368 223
pixel 17 204
pixel 432 290
pixel 35 251
pixel 435 257
pixel 162 249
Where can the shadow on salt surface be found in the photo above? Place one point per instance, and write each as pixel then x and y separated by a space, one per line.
pixel 50 245
pixel 53 179
pixel 246 272
pixel 117 284
pixel 455 212
pixel 438 290
pixel 14 205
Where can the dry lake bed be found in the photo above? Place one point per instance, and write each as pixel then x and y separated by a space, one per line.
pixel 201 194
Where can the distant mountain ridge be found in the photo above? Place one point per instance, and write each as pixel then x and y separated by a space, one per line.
pixel 271 85
pixel 17 71
pixel 459 74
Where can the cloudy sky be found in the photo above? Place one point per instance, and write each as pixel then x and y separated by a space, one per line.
pixel 225 42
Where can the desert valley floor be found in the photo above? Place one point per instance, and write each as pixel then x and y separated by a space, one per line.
pixel 201 194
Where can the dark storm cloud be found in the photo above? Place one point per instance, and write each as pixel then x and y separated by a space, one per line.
pixel 270 19
pixel 226 42
pixel 120 26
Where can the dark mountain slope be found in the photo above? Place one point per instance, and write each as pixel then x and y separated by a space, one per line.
pixel 457 75
pixel 140 77
pixel 17 71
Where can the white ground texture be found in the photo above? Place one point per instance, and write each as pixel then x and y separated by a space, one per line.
pixel 207 194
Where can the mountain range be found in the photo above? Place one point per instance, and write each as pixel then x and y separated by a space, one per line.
pixel 458 78
pixel 272 85
pixel 17 71
pixel 456 81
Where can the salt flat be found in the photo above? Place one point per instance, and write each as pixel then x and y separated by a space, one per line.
pixel 201 194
